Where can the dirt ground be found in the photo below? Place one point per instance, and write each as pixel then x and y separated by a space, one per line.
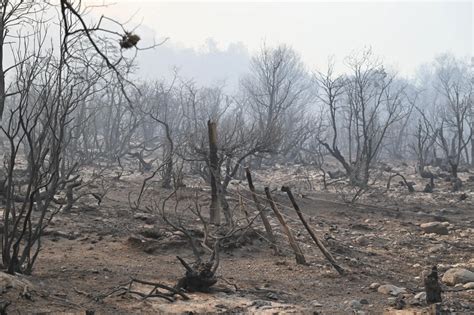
pixel 94 249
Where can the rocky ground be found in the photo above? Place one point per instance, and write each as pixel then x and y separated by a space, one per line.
pixel 386 243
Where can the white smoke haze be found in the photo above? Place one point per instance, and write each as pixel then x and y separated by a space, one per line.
pixel 204 36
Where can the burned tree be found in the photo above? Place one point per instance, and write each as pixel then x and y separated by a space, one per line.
pixel 277 92
pixel 49 86
pixel 425 138
pixel 200 275
pixel 455 89
pixel 14 18
pixel 367 102
pixel 38 122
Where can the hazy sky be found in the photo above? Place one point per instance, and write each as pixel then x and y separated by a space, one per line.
pixel 406 34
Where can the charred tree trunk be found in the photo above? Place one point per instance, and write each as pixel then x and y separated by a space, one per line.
pixel 472 142
pixel 454 169
pixel 266 224
pixel 320 245
pixel 432 287
pixel 223 202
pixel 430 187
pixel 2 73
pixel 143 166
pixel 294 245
pixel 70 195
pixel 167 174
pixel 215 217
pixel 407 184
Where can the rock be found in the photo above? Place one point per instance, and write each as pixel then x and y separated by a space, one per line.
pixel 399 303
pixel 316 304
pixel 272 296
pixel 135 240
pixel 221 306
pixel 60 234
pixel 362 240
pixel 435 248
pixel 391 289
pixel 421 296
pixel 364 301
pixel 152 232
pixel 260 303
pixel 457 275
pixel 147 218
pixel 434 227
pixel 446 211
pixel 414 302
pixel 374 285
pixel 8 281
pixel 355 305
pixel 468 286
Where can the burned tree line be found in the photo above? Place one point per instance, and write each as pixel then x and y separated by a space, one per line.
pixel 47 79
pixel 79 105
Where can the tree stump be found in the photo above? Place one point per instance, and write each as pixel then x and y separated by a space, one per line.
pixel 199 278
pixel 432 287
pixel 3 307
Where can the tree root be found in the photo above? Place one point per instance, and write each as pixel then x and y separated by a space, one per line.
pixel 168 294
pixel 199 278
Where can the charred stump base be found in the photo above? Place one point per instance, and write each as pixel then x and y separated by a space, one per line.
pixel 432 287
pixel 3 307
pixel 199 278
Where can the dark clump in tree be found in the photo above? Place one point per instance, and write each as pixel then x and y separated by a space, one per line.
pixel 129 40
